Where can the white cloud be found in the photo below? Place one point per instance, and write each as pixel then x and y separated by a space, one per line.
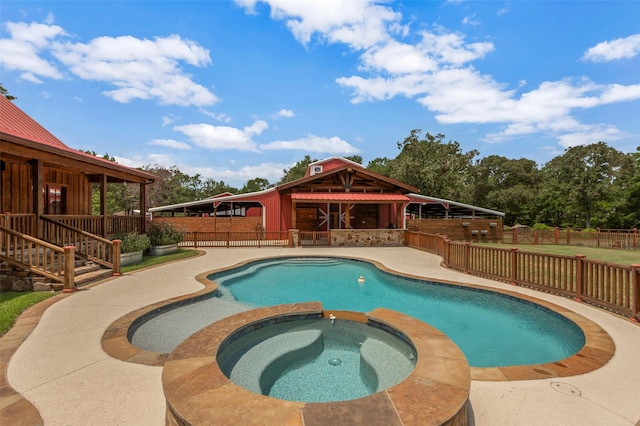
pixel 471 20
pixel 140 68
pixel 359 24
pixel 137 68
pixel 223 137
pixel 168 119
pixel 170 143
pixel 27 76
pixel 238 176
pixel 21 52
pixel 620 48
pixel 286 113
pixel 312 143
pixel 222 117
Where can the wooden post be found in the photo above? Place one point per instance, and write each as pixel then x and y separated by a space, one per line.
pixel 557 235
pixel 635 235
pixel 195 236
pixel 514 232
pixel 117 244
pixel 103 205
pixel 598 236
pixel 69 284
pixel 514 265
pixel 568 235
pixel 635 292
pixel 467 256
pixel 579 277
pixel 37 176
pixel 143 207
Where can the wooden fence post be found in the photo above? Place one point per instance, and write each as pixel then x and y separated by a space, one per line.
pixel 568 235
pixel 635 292
pixel 635 236
pixel 467 256
pixel 116 250
pixel 514 265
pixel 557 235
pixel 195 239
pixel 228 238
pixel 514 232
pixel 579 277
pixel 69 284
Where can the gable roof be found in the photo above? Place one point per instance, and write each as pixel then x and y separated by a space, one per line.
pixel 350 167
pixel 18 127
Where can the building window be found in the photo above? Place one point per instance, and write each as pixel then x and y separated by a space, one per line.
pixel 55 199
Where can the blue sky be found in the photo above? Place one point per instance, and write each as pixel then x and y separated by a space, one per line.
pixel 234 90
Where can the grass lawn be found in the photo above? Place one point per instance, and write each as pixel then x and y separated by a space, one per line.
pixel 158 260
pixel 12 304
pixel 622 257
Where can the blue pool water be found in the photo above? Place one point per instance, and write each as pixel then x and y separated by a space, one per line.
pixel 490 328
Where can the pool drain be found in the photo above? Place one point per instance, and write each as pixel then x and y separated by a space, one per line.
pixel 335 361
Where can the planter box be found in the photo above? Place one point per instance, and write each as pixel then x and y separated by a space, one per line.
pixel 130 258
pixel 162 250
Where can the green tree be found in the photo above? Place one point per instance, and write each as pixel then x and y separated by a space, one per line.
pixel 506 185
pixel 255 185
pixel 585 186
pixel 297 171
pixel 379 165
pixel 4 92
pixel 436 167
pixel 355 158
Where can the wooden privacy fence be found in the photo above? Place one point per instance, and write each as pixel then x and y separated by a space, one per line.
pixel 235 239
pixel 606 285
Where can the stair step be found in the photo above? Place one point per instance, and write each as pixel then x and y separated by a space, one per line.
pixel 85 269
pixel 94 275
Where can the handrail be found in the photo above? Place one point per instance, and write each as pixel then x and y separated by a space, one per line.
pixel 43 258
pixel 610 286
pixel 95 248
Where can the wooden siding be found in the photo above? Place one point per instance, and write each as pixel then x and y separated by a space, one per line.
pixel 17 192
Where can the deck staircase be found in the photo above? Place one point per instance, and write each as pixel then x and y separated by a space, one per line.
pixel 44 263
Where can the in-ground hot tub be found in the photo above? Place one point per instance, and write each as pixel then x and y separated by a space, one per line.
pixel 311 359
pixel 198 391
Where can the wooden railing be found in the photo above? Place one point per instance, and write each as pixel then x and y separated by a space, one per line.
pixel 236 239
pixel 51 261
pixel 90 246
pixel 23 223
pixel 314 238
pixel 626 239
pixel 109 227
pixel 609 286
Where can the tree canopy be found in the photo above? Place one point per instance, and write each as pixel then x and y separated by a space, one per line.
pixel 587 186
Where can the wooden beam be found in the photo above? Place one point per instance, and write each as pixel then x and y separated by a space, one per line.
pixel 103 203
pixel 37 176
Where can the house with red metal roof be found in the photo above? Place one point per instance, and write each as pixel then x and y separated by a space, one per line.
pixel 46 196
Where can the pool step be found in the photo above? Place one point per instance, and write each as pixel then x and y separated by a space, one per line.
pixel 274 355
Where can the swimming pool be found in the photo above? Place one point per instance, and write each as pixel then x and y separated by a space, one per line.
pixel 492 329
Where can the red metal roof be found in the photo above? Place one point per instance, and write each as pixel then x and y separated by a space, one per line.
pixel 15 122
pixel 348 196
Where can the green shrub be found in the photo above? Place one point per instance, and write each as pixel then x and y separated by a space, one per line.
pixel 163 234
pixel 541 226
pixel 134 242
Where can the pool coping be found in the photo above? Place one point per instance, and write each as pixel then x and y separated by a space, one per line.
pixel 435 393
pixel 598 349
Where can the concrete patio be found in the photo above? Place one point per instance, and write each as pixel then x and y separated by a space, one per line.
pixel 61 368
